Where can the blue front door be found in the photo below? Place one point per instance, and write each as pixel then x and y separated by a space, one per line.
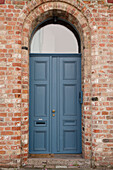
pixel 55 109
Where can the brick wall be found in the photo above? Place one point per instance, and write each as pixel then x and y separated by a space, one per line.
pixel 94 21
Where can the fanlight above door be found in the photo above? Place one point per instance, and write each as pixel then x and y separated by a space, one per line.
pixel 54 38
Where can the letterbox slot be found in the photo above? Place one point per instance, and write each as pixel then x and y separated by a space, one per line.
pixel 40 123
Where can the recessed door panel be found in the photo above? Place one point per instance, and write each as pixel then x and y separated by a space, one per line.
pixel 40 94
pixel 69 140
pixel 40 70
pixel 70 70
pixel 55 110
pixel 40 141
pixel 69 100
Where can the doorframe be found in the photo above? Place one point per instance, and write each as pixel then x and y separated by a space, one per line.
pixel 56 20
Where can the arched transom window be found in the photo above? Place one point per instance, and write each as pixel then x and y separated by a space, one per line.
pixel 54 38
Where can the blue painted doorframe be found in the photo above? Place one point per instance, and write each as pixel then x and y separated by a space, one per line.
pixel 55 108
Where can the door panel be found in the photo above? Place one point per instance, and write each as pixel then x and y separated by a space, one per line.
pixel 69 104
pixel 69 70
pixel 40 138
pixel 40 100
pixel 39 105
pixel 40 68
pixel 69 97
pixel 55 120
pixel 67 143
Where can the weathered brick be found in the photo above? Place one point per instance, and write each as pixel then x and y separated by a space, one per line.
pixel 94 22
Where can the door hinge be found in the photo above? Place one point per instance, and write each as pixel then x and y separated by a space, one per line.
pixel 81 97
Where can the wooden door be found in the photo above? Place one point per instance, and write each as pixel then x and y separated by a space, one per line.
pixel 55 109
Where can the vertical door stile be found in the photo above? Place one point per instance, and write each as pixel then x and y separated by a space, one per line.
pixel 53 104
pixel 50 106
pixel 80 108
pixel 58 104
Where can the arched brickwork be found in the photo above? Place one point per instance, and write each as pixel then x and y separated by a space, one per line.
pixel 36 12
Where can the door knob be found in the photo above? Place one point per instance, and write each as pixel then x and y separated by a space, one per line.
pixel 53 111
pixel 53 115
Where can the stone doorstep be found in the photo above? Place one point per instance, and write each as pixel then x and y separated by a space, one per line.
pixel 59 169
pixel 57 163
pixel 40 169
pixel 51 169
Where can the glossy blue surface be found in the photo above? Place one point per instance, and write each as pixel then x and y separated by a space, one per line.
pixel 55 108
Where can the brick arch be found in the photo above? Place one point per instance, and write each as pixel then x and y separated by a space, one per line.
pixel 35 13
pixel 33 4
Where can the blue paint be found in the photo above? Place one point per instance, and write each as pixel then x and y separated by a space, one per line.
pixel 81 97
pixel 55 83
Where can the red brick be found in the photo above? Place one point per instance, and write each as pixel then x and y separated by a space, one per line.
pixel 2 18
pixel 109 108
pixel 3 114
pixel 97 131
pixel 11 6
pixel 2 1
pixel 10 105
pixel 16 128
pixel 2 152
pixel 16 119
pixel 16 137
pixel 17 64
pixel 110 98
pixel 110 1
pixel 104 113
pixel 2 105
pixel 17 114
pixel 17 91
pixel 8 27
pixel 7 133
